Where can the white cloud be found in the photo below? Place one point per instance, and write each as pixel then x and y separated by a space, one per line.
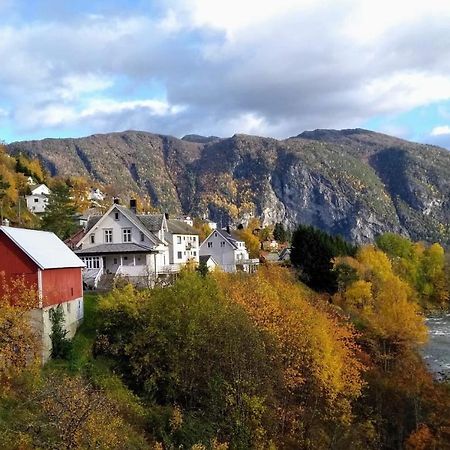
pixel 272 67
pixel 440 130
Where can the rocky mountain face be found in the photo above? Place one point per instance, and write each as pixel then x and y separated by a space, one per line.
pixel 353 182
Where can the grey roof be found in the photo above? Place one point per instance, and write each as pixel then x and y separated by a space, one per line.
pixel 44 248
pixel 92 221
pixel 114 248
pixel 203 259
pixel 179 227
pixel 153 222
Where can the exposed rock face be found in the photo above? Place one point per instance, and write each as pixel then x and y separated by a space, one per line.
pixel 353 182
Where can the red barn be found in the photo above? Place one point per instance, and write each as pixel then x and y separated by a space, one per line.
pixel 52 268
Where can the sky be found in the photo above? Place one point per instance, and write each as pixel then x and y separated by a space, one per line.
pixel 212 67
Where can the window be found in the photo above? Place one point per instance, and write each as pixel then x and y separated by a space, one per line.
pixel 125 258
pixel 215 234
pixel 116 216
pixel 126 234
pixel 115 261
pixel 178 239
pixel 92 262
pixel 194 238
pixel 142 237
pixel 36 200
pixel 222 244
pixel 210 244
pixel 195 253
pixel 108 236
pixel 180 255
pixel 92 238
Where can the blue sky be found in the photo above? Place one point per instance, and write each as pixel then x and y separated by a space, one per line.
pixel 212 67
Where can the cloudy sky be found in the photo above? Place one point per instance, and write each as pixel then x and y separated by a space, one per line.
pixel 213 67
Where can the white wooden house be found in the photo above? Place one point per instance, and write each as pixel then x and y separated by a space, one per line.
pixel 37 201
pixel 227 251
pixel 139 247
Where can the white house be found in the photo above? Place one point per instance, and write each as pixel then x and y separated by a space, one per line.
pixel 140 247
pixel 183 242
pixel 228 251
pixel 38 199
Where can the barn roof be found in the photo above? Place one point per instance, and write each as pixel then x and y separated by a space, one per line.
pixel 44 248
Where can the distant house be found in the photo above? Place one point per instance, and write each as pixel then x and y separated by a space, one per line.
pixel 139 247
pixel 45 263
pixel 285 254
pixel 209 262
pixel 228 251
pixel 37 201
pixel 96 195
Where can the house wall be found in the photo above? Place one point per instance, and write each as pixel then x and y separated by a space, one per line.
pixel 36 203
pixel 224 254
pixel 186 255
pixel 61 285
pixel 116 226
pixel 40 320
pixel 14 263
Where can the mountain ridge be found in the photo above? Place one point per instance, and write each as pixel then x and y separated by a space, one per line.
pixel 354 182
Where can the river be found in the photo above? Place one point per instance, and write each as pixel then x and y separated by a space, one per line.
pixel 437 351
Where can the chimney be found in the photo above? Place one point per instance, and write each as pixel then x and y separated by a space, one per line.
pixel 116 201
pixel 133 206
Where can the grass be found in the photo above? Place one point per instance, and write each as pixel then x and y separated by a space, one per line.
pixel 82 343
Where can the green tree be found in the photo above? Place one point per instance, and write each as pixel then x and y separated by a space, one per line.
pixel 60 212
pixel 279 233
pixel 313 252
pixel 61 346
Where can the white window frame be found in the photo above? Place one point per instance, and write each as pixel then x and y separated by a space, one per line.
pixel 108 235
pixel 126 235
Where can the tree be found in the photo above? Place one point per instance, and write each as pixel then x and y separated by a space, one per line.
pixel 279 233
pixel 251 241
pixel 313 252
pixel 19 344
pixel 61 346
pixel 60 212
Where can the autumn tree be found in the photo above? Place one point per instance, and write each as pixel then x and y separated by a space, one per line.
pixel 19 343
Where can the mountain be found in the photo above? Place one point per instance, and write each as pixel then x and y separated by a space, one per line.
pixel 357 183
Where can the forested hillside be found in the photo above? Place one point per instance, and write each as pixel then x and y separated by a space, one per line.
pixel 356 183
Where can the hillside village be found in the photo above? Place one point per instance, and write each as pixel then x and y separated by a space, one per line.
pixel 97 247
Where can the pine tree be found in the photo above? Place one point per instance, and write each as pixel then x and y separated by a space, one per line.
pixel 60 211
pixel 279 233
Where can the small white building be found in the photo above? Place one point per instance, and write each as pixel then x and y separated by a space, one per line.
pixel 37 201
pixel 228 251
pixel 183 242
pixel 96 195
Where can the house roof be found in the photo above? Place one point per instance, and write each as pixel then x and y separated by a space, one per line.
pixel 229 238
pixel 92 221
pixel 44 248
pixel 130 215
pixel 153 222
pixel 114 248
pixel 203 259
pixel 176 226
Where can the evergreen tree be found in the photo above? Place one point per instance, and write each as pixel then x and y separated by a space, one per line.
pixel 313 252
pixel 3 186
pixel 279 233
pixel 60 211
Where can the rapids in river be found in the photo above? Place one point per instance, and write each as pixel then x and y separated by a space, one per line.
pixel 436 352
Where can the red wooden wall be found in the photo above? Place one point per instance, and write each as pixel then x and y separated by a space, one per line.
pixel 61 285
pixel 14 263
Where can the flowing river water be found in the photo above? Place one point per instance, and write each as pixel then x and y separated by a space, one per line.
pixel 437 351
